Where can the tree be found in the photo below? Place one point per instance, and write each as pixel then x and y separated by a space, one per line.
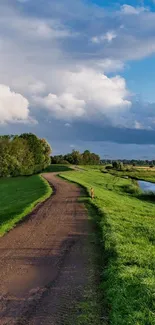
pixel 118 165
pixel 4 155
pixel 23 155
pixel 76 158
pixel 22 162
pixel 86 157
pixel 40 150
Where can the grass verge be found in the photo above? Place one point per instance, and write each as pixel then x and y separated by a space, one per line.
pixel 18 198
pixel 90 310
pixel 127 240
pixel 93 307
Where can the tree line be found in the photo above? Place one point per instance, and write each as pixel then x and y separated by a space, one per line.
pixel 25 154
pixel 133 162
pixel 77 158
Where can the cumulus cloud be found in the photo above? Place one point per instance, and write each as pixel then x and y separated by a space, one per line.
pixel 130 10
pixel 30 84
pixel 88 94
pixel 62 55
pixel 13 106
pixel 64 106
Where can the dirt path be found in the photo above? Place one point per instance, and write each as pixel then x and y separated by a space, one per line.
pixel 44 261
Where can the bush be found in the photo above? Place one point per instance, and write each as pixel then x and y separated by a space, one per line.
pixel 118 165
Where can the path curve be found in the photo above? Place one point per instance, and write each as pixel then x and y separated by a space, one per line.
pixel 44 261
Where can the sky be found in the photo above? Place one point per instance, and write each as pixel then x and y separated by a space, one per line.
pixel 80 74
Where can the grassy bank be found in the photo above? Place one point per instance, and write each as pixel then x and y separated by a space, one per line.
pixel 18 198
pixel 141 174
pixel 126 226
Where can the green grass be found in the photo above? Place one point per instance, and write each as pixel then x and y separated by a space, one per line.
pixel 126 223
pixel 57 168
pixel 142 174
pixel 18 198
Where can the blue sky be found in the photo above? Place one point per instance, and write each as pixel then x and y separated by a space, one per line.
pixel 80 73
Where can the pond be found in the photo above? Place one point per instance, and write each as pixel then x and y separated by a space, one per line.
pixel 147 186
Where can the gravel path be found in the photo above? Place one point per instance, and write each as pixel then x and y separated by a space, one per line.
pixel 44 261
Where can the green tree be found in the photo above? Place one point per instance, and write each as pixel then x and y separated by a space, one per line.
pixel 118 165
pixel 23 155
pixel 22 161
pixel 40 150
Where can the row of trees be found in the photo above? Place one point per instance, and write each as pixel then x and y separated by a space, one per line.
pixel 23 155
pixel 77 158
pixel 132 162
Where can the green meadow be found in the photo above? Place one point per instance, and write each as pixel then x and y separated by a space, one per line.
pixel 136 173
pixel 126 228
pixel 18 197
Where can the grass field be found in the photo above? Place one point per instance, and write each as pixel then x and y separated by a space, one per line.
pixel 18 197
pixel 137 173
pixel 126 228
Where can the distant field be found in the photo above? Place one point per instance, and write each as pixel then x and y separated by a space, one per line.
pixel 18 196
pixel 126 222
pixel 145 167
pixel 137 173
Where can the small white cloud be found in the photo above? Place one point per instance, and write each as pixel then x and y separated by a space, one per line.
pixel 109 36
pixel 13 106
pixel 138 125
pixel 130 10
pixel 23 1
pixel 67 125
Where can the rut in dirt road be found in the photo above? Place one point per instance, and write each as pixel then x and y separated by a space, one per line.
pixel 44 261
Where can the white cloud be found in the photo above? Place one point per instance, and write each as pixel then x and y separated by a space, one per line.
pixel 138 125
pixel 30 84
pixel 29 27
pixel 39 28
pixel 130 10
pixel 109 36
pixel 51 61
pixel 64 106
pixel 13 106
pixel 87 94
pixel 109 65
pixel 23 1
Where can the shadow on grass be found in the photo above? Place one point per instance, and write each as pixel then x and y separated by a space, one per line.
pixel 136 192
pixel 148 197
pixel 57 168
